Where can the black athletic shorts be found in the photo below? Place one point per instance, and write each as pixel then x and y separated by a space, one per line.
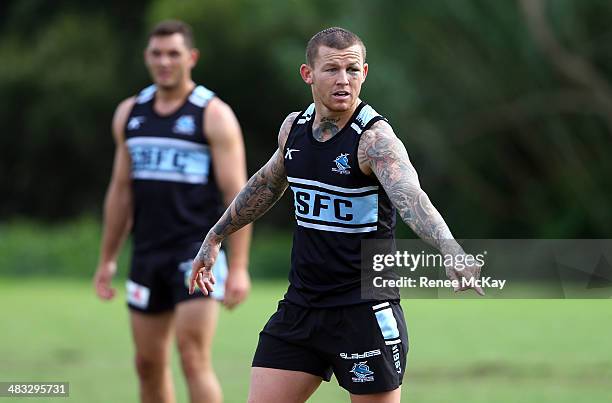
pixel 364 345
pixel 159 279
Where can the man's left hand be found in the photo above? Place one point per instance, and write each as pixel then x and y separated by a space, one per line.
pixel 237 287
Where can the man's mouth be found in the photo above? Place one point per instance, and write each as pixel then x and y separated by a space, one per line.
pixel 341 94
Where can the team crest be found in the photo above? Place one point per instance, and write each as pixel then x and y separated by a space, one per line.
pixel 362 372
pixel 342 165
pixel 184 125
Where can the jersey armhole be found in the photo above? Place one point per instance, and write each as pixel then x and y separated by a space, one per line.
pixel 368 126
pixel 375 119
pixel 290 137
pixel 124 126
pixel 202 116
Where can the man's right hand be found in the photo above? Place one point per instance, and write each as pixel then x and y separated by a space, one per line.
pixel 103 278
pixel 467 272
pixel 201 269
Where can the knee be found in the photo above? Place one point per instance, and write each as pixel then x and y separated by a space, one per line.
pixel 149 368
pixel 195 359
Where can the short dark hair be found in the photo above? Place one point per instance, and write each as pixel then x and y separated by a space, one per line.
pixel 334 37
pixel 171 27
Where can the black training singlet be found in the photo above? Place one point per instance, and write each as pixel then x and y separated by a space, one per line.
pixel 176 198
pixel 336 207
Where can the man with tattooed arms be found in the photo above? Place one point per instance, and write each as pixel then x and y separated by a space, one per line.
pixel 349 173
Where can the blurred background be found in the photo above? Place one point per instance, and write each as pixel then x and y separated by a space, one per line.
pixel 505 108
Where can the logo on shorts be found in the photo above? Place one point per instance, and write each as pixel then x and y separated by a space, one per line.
pixel 396 359
pixel 185 267
pixel 362 372
pixel 137 295
pixel 184 125
pixel 342 165
pixel 360 356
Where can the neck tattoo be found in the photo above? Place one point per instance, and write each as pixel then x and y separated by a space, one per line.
pixel 326 129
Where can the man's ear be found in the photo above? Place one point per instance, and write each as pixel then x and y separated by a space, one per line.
pixel 194 55
pixel 306 73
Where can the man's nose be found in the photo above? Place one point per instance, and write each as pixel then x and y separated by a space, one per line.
pixel 164 60
pixel 342 78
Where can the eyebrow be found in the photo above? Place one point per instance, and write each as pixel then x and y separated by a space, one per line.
pixel 160 50
pixel 333 63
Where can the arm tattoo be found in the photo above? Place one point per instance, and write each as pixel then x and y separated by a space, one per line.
pixel 380 149
pixel 260 193
pixel 326 129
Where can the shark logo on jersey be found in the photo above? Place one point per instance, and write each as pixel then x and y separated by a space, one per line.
pixel 342 165
pixel 362 372
pixel 135 122
pixel 184 125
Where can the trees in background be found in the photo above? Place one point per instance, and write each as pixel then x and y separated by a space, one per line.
pixel 504 107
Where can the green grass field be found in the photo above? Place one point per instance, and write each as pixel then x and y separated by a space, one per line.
pixel 461 350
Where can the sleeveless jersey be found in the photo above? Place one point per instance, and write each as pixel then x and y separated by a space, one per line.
pixel 176 198
pixel 336 207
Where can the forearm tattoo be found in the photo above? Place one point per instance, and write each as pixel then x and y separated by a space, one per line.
pixel 380 149
pixel 326 129
pixel 261 192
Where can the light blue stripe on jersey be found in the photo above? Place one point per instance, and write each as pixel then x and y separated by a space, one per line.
pixel 307 115
pixel 333 228
pixel 387 323
pixel 323 185
pixel 159 158
pixel 360 209
pixel 366 114
pixel 146 94
pixel 201 96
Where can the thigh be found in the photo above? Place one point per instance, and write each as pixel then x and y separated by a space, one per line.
pixel 196 322
pixel 152 335
pixel 276 353
pixel 393 396
pixel 270 385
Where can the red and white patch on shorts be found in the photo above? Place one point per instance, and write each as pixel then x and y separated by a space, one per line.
pixel 137 295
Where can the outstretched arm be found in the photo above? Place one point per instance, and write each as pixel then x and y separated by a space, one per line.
pixel 382 154
pixel 261 192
